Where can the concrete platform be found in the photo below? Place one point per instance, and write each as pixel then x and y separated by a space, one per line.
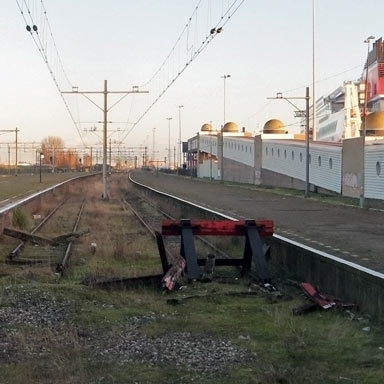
pixel 347 232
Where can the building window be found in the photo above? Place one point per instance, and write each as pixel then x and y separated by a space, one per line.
pixel 272 151
pixel 301 157
pixel 250 149
pixel 378 168
pixel 319 161
pixel 278 152
pixel 330 163
pixel 246 149
pixel 266 151
pixel 293 155
pixel 285 153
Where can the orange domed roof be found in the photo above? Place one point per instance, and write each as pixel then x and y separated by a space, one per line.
pixel 274 126
pixel 231 127
pixel 206 127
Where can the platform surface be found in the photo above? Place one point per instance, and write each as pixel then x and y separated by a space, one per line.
pixel 348 232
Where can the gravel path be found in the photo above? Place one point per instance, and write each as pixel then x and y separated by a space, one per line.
pixel 33 323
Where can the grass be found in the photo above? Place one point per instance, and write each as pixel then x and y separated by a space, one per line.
pixel 12 186
pixel 320 347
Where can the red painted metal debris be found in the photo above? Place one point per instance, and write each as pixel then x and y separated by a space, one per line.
pixel 323 301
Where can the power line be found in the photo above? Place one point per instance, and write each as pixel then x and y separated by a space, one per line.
pixel 210 34
pixel 324 79
pixel 42 47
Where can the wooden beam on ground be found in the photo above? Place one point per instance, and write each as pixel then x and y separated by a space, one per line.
pixel 27 237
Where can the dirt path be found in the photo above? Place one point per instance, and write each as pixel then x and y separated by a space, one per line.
pixel 347 232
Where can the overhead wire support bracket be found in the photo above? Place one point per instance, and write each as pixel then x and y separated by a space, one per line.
pixel 105 109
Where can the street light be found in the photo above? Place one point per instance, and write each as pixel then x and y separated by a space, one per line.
pixel 300 113
pixel 225 77
pixel 180 142
pixel 169 142
pixel 41 157
pixel 362 186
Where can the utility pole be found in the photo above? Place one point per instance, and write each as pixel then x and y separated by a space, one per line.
pixel 16 159
pixel 225 77
pixel 145 156
pixel 174 157
pixel 210 150
pixel 314 112
pixel 105 111
pixel 9 160
pixel 110 155
pixel 364 131
pixel 169 142
pixel 153 143
pixel 180 142
pixel 91 161
pixel 221 152
pixel 301 113
pixel 53 159
pixel 307 141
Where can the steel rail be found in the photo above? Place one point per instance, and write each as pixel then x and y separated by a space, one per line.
pixel 16 250
pixel 62 266
pixel 17 203
pixel 141 219
pixel 200 238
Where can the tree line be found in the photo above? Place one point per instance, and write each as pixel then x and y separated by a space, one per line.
pixel 55 154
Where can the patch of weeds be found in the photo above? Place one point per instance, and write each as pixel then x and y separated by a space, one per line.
pixel 20 218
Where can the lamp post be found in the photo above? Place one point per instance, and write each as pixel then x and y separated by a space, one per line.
pixel 301 113
pixel 169 142
pixel 225 77
pixel 41 157
pixel 180 142
pixel 362 186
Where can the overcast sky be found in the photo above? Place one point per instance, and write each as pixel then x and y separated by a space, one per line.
pixel 266 47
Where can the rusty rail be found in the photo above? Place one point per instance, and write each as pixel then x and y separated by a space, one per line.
pixel 62 266
pixel 20 246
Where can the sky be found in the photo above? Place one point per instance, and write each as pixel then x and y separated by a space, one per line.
pixel 266 47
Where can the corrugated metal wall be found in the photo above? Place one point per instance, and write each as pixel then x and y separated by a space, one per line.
pixel 289 159
pixel 374 171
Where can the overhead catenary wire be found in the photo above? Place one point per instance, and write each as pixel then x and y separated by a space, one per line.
pixel 43 51
pixel 210 35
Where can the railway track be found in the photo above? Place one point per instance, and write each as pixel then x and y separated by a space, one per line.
pixel 55 251
pixel 151 218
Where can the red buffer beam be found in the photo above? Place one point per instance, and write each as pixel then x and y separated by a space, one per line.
pixel 217 227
